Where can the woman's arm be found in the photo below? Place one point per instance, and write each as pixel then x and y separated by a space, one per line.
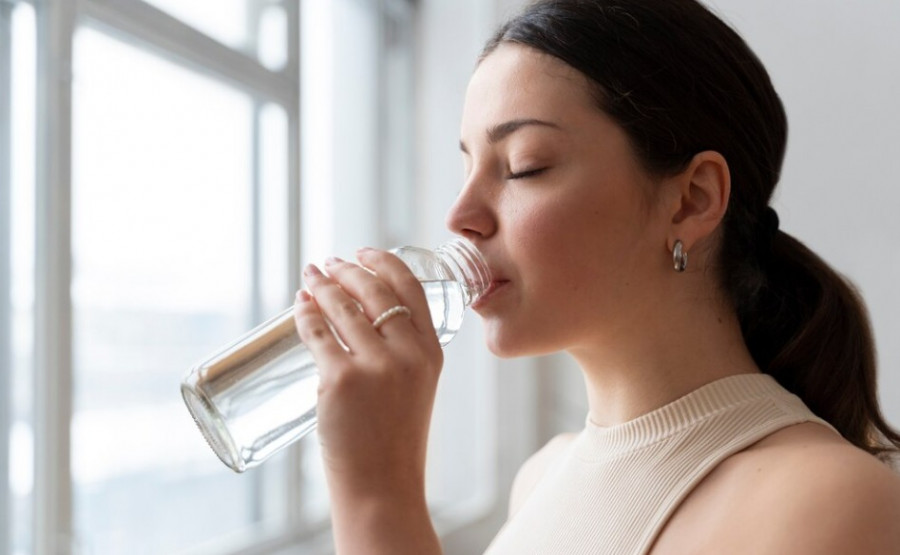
pixel 375 400
pixel 390 525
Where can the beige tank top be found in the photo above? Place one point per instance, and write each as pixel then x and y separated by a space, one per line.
pixel 613 489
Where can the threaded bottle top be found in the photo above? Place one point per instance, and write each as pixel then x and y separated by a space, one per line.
pixel 468 267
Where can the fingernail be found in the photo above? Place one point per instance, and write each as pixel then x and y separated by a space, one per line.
pixel 312 271
pixel 364 250
pixel 303 296
pixel 332 260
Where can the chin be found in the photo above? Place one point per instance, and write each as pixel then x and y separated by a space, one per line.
pixel 501 352
pixel 500 346
pixel 510 345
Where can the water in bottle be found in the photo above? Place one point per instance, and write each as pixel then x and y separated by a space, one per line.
pixel 259 394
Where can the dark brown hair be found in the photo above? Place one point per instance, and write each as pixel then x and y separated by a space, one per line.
pixel 680 81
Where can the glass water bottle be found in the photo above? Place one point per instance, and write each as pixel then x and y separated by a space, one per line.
pixel 257 395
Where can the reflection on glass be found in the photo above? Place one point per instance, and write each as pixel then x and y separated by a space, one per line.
pixel 162 270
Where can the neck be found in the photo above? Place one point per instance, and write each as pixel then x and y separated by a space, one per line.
pixel 655 360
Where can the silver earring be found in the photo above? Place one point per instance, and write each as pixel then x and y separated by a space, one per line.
pixel 679 256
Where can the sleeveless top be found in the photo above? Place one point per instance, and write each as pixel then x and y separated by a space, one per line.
pixel 613 489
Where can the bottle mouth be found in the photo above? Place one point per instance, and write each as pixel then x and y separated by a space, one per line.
pixel 471 267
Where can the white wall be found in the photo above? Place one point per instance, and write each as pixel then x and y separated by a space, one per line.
pixel 835 66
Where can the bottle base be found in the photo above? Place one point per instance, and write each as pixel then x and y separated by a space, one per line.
pixel 211 426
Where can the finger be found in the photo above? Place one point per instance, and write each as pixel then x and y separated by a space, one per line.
pixel 314 331
pixel 341 310
pixel 402 282
pixel 375 295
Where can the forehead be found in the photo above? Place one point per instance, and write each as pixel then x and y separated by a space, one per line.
pixel 516 81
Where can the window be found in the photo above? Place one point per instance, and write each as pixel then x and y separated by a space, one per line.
pixel 154 142
pixel 150 212
pixel 159 187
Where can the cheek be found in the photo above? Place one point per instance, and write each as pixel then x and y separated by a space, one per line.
pixel 576 257
pixel 555 249
pixel 542 241
pixel 558 236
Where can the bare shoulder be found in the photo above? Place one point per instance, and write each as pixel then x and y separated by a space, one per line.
pixel 814 492
pixel 534 469
pixel 802 490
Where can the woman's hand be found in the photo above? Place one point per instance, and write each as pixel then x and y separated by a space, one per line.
pixel 375 398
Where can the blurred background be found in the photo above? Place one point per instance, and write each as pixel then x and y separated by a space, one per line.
pixel 167 166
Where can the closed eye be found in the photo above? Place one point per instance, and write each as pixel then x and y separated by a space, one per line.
pixel 526 174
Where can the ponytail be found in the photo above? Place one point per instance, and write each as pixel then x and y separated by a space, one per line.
pixel 807 326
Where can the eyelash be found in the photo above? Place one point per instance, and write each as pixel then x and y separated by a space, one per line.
pixel 526 174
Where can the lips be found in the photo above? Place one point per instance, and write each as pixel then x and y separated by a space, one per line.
pixel 492 289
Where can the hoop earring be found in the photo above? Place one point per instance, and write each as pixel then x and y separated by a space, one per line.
pixel 679 256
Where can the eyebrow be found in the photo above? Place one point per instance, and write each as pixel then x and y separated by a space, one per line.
pixel 502 130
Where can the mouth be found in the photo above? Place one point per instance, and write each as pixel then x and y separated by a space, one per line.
pixel 491 291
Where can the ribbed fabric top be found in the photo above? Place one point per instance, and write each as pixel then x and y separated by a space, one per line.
pixel 613 489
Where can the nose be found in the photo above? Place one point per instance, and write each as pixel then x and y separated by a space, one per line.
pixel 473 214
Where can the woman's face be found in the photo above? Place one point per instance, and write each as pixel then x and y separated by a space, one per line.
pixel 558 204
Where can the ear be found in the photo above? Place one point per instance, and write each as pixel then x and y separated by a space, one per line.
pixel 697 199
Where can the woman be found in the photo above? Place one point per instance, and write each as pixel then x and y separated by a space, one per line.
pixel 620 157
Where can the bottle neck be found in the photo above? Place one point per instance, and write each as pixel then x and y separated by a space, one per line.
pixel 468 267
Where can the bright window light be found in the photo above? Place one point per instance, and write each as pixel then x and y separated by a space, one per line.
pixel 162 216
